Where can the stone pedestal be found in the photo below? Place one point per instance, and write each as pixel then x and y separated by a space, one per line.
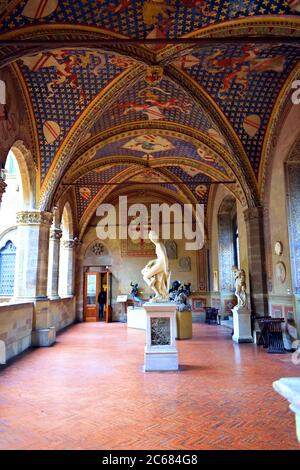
pixel 184 328
pixel 43 337
pixel 160 350
pixel 289 388
pixel 241 325
pixel 136 318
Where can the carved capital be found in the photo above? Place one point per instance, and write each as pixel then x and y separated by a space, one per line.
pixel 253 213
pixel 2 188
pixel 55 234
pixel 70 244
pixel 34 218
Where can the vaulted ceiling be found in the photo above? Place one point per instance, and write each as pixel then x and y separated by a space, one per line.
pixel 108 105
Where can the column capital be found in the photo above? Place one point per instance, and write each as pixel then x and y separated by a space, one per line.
pixel 2 187
pixel 55 234
pixel 34 218
pixel 71 243
pixel 254 213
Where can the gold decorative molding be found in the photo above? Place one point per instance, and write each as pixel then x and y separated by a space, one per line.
pixel 34 218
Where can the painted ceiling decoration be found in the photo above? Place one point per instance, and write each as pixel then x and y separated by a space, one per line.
pixel 162 101
pixel 244 81
pixel 151 146
pixel 61 84
pixel 227 92
pixel 141 19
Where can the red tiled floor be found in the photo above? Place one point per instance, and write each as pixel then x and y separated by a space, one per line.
pixel 89 392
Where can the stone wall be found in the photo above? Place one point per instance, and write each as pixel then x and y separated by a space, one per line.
pixel 17 321
pixel 62 312
pixel 283 296
pixel 15 328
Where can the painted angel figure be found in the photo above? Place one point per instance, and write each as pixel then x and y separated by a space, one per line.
pixel 240 286
pixel 156 273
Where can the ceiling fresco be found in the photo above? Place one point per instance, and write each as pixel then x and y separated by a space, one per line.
pixel 88 186
pixel 226 92
pixel 162 100
pixel 151 146
pixel 141 18
pixel 61 84
pixel 244 82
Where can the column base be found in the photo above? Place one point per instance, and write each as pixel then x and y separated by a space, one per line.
pixel 44 337
pixel 241 325
pixel 160 361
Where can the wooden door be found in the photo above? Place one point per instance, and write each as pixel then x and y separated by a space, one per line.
pixel 91 290
pixel 107 283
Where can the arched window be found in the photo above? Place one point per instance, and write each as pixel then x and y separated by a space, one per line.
pixel 228 243
pixel 7 269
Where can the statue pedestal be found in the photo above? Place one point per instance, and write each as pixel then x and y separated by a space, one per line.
pixel 160 350
pixel 241 325
pixel 184 325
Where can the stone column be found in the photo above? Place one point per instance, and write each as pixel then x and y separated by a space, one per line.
pixel 53 269
pixel 32 271
pixel 2 188
pixel 32 255
pixel 257 260
pixel 67 254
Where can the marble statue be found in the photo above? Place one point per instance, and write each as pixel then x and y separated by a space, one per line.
pixel 156 273
pixel 240 286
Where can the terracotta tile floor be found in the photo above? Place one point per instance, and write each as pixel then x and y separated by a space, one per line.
pixel 89 392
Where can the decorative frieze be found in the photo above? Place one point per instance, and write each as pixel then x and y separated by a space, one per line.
pixel 34 218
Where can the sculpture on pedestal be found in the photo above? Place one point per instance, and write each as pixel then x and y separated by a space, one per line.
pixel 242 331
pixel 134 293
pixel 156 273
pixel 179 293
pixel 240 286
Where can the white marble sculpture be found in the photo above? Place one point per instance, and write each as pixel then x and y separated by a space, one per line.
pixel 242 332
pixel 156 273
pixel 240 286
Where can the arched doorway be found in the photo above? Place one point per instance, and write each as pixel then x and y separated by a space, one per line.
pixel 97 283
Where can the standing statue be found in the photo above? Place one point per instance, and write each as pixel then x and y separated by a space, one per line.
pixel 240 286
pixel 156 273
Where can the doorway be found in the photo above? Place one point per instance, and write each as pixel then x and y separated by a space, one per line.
pixel 94 282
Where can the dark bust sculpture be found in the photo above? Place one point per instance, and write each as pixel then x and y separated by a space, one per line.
pixel 134 293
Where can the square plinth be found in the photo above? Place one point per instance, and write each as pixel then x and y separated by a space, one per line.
pixel 160 350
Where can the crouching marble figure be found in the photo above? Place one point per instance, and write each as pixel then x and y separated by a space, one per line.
pixel 241 313
pixel 156 273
